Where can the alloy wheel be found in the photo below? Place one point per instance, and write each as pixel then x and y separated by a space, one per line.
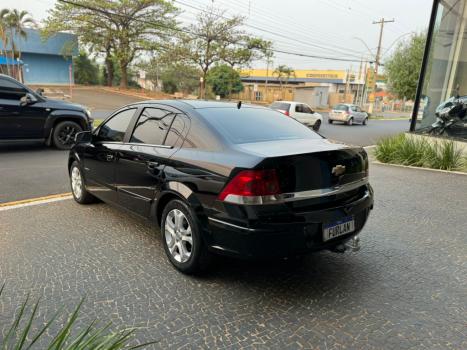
pixel 76 182
pixel 178 235
pixel 66 135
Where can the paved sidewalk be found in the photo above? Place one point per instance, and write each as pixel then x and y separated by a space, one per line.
pixel 405 289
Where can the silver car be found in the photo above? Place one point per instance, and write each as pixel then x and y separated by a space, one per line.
pixel 348 113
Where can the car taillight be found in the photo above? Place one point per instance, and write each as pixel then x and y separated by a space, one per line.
pixel 252 187
pixel 283 111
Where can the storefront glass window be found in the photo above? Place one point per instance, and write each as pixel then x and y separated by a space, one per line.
pixel 445 87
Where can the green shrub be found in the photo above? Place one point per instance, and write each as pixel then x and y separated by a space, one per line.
pixel 19 335
pixel 405 150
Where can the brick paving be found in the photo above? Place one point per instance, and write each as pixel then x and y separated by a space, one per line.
pixel 405 289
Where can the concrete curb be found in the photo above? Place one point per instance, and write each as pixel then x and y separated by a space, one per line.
pixel 420 168
pixel 127 94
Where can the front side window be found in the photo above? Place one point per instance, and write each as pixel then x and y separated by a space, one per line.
pixel 299 108
pixel 152 126
pixel 10 90
pixel 307 109
pixel 114 129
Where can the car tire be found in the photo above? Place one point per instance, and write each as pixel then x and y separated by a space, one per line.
pixel 350 121
pixel 365 121
pixel 181 237
pixel 63 135
pixel 317 125
pixel 329 121
pixel 78 187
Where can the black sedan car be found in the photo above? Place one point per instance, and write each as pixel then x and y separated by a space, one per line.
pixel 226 178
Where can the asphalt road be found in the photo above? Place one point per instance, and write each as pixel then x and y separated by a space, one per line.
pixel 363 135
pixel 405 289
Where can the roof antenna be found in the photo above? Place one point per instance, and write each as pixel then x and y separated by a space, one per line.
pixel 239 104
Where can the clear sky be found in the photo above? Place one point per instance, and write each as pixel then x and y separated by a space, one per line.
pixel 314 27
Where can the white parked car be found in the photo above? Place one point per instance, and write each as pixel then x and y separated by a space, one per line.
pixel 300 112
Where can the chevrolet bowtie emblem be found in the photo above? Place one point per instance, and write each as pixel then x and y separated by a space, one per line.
pixel 338 170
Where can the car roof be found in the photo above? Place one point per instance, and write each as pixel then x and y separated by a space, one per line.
pixel 286 102
pixel 195 104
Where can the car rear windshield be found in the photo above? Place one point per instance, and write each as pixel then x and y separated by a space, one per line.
pixel 341 108
pixel 247 125
pixel 280 105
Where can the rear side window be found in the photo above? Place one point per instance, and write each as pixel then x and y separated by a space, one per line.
pixel 246 125
pixel 152 126
pixel 341 108
pixel 175 134
pixel 114 129
pixel 299 108
pixel 280 105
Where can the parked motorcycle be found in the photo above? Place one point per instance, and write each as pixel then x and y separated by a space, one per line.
pixel 450 118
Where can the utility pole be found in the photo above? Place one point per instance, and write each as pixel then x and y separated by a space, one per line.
pixel 381 22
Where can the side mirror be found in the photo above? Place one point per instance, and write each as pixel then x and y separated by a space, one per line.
pixel 83 137
pixel 312 111
pixel 40 91
pixel 27 99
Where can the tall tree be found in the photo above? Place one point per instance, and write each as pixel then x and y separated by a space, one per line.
pixel 4 27
pixel 207 39
pixel 283 74
pixel 403 67
pixel 120 28
pixel 244 51
pixel 18 22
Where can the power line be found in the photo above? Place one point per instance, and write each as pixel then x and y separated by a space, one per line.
pixel 270 32
pixel 328 35
pixel 109 13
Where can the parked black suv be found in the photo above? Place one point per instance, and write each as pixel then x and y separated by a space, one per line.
pixel 28 116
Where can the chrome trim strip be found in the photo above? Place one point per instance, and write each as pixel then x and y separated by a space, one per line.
pixel 232 225
pixel 295 196
pixel 146 144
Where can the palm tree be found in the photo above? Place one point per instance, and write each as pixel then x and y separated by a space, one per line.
pixel 283 74
pixel 18 21
pixel 4 25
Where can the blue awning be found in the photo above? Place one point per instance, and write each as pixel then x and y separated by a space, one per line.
pixel 9 60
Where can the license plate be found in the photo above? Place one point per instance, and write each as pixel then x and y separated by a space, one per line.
pixel 338 228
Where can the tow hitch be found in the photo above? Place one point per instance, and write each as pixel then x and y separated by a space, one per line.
pixel 353 244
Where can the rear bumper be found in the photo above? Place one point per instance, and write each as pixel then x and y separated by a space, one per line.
pixel 340 118
pixel 294 237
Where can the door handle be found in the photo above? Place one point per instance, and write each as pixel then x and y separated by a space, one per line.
pixel 109 157
pixel 152 165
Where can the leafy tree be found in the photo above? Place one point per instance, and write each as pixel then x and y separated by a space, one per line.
pixel 224 80
pixel 403 67
pixel 119 28
pixel 207 39
pixel 13 24
pixel 86 71
pixel 253 49
pixel 184 77
pixel 283 74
